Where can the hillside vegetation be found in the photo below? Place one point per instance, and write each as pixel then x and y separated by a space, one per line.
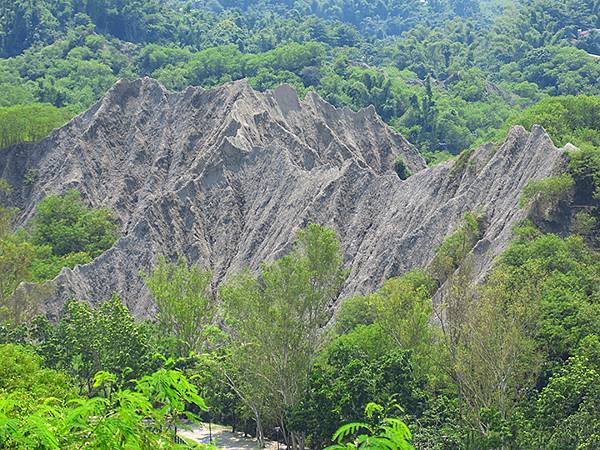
pixel 428 361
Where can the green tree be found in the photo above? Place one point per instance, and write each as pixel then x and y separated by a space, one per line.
pixel 22 374
pixel 568 408
pixel 186 308
pixel 352 370
pixel 403 309
pixel 29 123
pixel 275 322
pixel 64 223
pixel 88 340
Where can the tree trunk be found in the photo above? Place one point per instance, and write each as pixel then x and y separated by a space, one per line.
pixel 259 431
pixel 296 441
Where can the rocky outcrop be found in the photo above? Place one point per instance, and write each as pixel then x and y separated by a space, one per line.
pixel 227 177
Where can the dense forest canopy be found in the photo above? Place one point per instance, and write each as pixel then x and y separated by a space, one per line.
pixel 447 73
pixel 511 363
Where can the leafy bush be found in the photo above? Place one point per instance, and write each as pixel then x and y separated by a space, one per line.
pixel 45 414
pixel 388 433
pixel 22 375
pixel 546 194
pixel 567 412
pixel 574 119
pixel 454 249
pixel 87 340
pixel 64 223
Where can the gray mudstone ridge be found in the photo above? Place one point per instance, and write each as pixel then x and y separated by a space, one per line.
pixel 226 178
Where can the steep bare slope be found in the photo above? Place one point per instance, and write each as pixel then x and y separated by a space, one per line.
pixel 227 177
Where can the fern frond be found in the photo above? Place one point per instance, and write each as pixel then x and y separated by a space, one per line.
pixel 349 429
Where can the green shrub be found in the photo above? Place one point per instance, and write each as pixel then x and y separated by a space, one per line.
pixel 454 249
pixel 545 195
pixel 64 223
pixel 401 168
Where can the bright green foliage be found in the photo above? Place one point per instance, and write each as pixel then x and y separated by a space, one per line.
pixel 88 340
pixel 46 266
pixel 389 433
pixel 446 73
pixel 172 392
pixel 276 321
pixel 403 309
pixel 65 224
pixel 22 375
pixel 6 213
pixel 15 266
pixel 16 259
pixel 574 119
pixel 354 311
pixel 536 308
pixel 567 413
pixel 186 308
pixel 29 123
pixel 505 366
pixel 558 279
pixel 38 408
pixel 584 167
pixel 584 224
pixel 63 233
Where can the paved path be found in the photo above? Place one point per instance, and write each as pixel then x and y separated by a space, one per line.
pixel 223 438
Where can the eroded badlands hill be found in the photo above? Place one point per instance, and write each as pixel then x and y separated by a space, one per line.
pixel 226 178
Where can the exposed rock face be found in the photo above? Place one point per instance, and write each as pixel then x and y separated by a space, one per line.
pixel 227 177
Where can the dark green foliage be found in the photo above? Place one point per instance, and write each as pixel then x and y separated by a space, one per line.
pixel 401 169
pixel 585 169
pixel 355 369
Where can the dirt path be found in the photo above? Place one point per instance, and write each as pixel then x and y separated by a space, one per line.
pixel 223 438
